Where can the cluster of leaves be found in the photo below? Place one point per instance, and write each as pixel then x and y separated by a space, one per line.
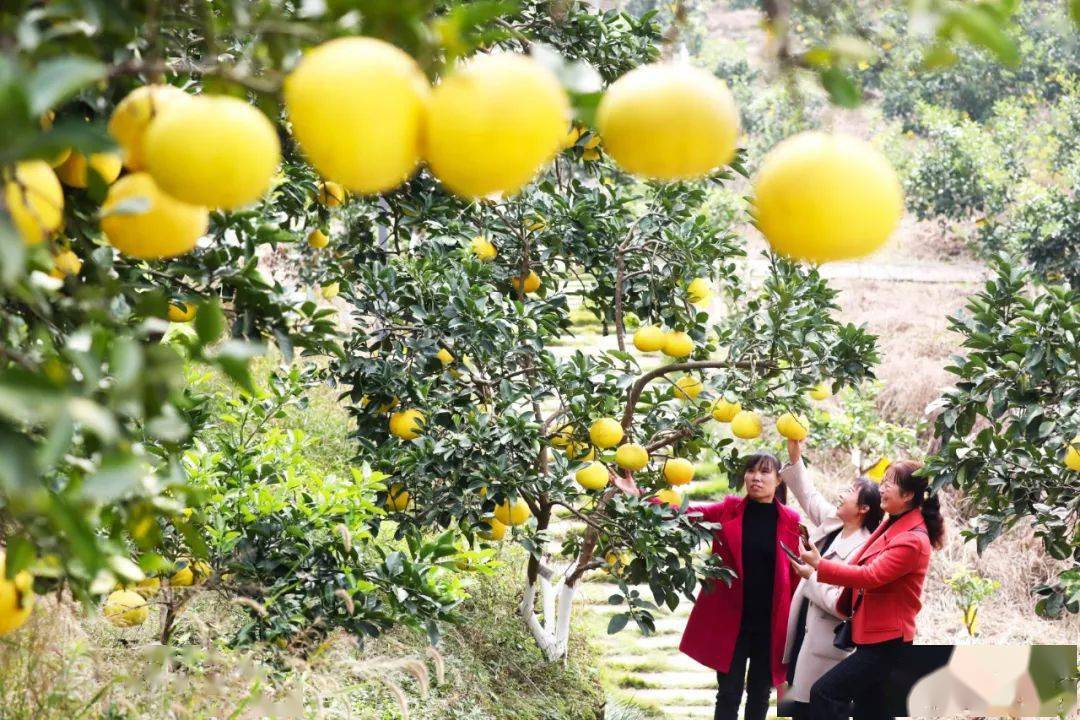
pixel 1004 426
pixel 857 427
pixel 970 589
pixel 295 539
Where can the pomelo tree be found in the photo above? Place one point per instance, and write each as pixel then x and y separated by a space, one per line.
pixel 166 123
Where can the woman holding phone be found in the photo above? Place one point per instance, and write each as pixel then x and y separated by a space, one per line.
pixel 841 530
pixel 745 623
pixel 882 591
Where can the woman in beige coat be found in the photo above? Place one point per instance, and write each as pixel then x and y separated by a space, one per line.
pixel 840 530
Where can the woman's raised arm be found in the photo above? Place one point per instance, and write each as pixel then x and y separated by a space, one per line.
pixel 794 475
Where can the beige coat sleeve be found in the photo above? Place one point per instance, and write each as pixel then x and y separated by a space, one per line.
pixel 822 595
pixel 813 503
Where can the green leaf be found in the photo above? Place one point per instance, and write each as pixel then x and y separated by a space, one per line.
pixel 12 253
pixel 617 623
pixel 842 90
pixel 1074 11
pixel 56 80
pixel 20 555
pixel 983 28
pixel 119 475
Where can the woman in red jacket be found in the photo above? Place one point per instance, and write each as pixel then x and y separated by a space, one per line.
pixel 883 585
pixel 746 622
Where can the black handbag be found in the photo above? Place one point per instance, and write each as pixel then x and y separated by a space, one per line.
pixel 842 639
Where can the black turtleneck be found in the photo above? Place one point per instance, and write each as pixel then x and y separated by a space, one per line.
pixel 759 564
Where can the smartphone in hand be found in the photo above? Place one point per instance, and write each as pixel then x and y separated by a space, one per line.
pixel 790 554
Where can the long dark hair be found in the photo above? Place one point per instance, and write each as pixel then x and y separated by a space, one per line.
pixel 768 462
pixel 903 473
pixel 870 495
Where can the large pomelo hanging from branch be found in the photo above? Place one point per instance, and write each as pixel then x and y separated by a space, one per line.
pixel 669 121
pixel 822 197
pixel 493 123
pixel 357 108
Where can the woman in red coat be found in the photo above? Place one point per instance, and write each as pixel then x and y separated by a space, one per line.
pixel 746 622
pixel 883 586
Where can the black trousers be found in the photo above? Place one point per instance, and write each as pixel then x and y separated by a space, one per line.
pixel 751 648
pixel 860 679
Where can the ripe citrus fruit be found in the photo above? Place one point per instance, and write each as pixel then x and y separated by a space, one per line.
pixel 16 598
pixel 157 226
pixel 1072 454
pixel 180 312
pixel 357 108
pixel 513 514
pixel 670 496
pixel 632 457
pixel 563 437
pixel 406 424
pixel 793 427
pixel 148 587
pixel 590 155
pixel 687 115
pixel 746 425
pixel 531 284
pixel 66 263
pixel 649 338
pixel 678 344
pixel 580 451
pixel 678 471
pixel 593 476
pixel 445 356
pixel 699 291
pixel 725 411
pixel 493 123
pixel 572 136
pixel 877 472
pixel 35 200
pixel 73 170
pixel 822 197
pixel 606 433
pixel 134 114
pixel 687 387
pixel 216 151
pixel 47 124
pixel 329 291
pixel 482 248
pixel 397 497
pixel 125 608
pixel 495 530
pixel 331 194
pixel 821 391
pixel 317 239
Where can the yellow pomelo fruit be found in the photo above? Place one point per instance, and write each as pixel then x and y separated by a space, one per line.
pixel 16 598
pixel 632 457
pixel 407 424
pixel 47 124
pixel 493 123
pixel 357 108
pixel 444 356
pixel 563 437
pixel 1072 454
pixel 592 143
pixel 148 587
pixel 687 387
pixel 593 476
pixel 793 427
pixel 201 571
pixel 184 576
pixel 216 151
pixel 125 608
pixel 513 514
pixel 669 121
pixel 670 496
pixel 73 171
pixel 822 197
pixel 180 312
pixel 725 411
pixel 699 291
pixel 649 338
pixel 580 451
pixel 877 472
pixel 590 155
pixel 746 425
pixel 531 284
pixel 34 200
pixel 482 248
pixel 329 291
pixel 331 194
pixel 397 497
pixel 495 530
pixel 678 344
pixel 606 433
pixel 678 471
pixel 317 239
pixel 572 136
pixel 821 391
pixel 164 228
pixel 66 263
pixel 134 114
